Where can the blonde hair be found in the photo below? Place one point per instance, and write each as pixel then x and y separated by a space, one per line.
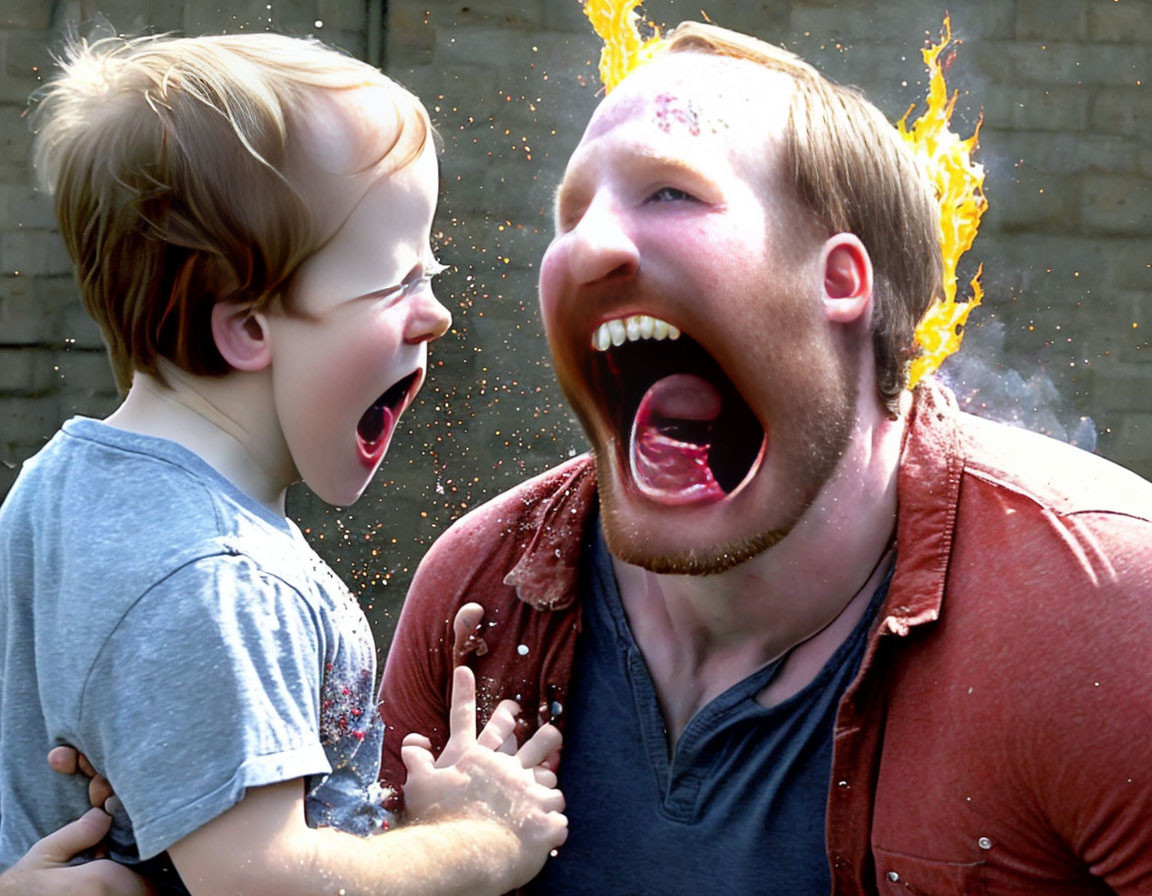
pixel 854 174
pixel 167 159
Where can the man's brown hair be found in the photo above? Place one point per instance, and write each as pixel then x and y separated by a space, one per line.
pixel 854 174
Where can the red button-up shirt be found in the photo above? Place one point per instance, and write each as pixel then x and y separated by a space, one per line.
pixel 998 736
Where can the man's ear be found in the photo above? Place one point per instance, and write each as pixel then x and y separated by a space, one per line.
pixel 241 335
pixel 847 278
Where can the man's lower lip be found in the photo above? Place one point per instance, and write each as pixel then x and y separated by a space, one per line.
pixel 697 495
pixel 700 493
pixel 673 477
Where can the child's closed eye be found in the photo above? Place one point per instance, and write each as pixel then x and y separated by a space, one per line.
pixel 418 277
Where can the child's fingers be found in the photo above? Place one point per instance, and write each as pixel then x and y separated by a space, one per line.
pixel 418 740
pixel 464 627
pixel 553 801
pixel 417 760
pixel 545 777
pixel 462 716
pixel 500 727
pixel 552 763
pixel 540 746
pixel 561 832
pixel 84 833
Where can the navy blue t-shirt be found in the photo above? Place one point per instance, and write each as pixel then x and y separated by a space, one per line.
pixel 738 808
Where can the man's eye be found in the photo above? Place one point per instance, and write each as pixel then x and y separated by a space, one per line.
pixel 670 194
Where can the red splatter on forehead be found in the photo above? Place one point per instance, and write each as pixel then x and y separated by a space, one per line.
pixel 672 111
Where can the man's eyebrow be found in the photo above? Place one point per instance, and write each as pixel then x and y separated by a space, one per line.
pixel 688 166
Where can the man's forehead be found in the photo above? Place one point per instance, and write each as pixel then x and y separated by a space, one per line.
pixel 688 109
pixel 696 94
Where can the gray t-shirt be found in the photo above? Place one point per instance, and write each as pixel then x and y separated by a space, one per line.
pixel 183 636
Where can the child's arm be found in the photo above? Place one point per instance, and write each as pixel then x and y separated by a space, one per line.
pixel 45 870
pixel 495 824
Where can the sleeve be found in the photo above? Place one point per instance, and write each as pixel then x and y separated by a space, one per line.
pixel 1083 739
pixel 208 686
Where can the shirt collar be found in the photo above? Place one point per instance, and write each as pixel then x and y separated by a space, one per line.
pixel 931 466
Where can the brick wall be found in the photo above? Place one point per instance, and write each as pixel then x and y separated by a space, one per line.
pixel 1062 343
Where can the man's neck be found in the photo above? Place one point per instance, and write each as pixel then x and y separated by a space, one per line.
pixel 800 599
pixel 224 420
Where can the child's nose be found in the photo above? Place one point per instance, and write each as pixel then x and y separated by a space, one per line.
pixel 428 319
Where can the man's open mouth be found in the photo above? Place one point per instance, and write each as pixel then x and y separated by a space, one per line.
pixel 685 432
pixel 376 424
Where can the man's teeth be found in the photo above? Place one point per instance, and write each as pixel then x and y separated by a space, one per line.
pixel 632 329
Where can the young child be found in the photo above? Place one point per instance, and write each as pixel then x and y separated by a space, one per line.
pixel 249 218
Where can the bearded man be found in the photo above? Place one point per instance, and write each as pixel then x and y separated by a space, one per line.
pixel 806 631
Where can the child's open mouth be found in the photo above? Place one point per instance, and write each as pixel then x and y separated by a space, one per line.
pixel 374 431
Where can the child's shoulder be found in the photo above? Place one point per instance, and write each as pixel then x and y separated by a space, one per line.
pixel 96 491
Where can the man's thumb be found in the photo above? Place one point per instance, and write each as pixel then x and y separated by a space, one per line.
pixel 84 833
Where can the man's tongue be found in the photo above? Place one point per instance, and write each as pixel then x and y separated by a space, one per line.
pixel 670 440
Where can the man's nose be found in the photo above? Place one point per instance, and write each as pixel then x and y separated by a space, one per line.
pixel 600 246
pixel 428 320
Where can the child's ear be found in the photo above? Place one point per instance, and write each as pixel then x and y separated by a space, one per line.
pixel 241 335
pixel 847 278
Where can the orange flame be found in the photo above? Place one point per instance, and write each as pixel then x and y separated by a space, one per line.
pixel 959 186
pixel 616 22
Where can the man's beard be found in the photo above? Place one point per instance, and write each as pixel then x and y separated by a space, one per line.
pixel 813 458
pixel 707 561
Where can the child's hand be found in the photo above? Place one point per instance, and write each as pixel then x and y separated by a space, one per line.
pixel 485 777
pixel 466 636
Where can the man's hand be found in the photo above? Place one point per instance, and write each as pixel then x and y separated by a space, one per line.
pixel 70 761
pixel 485 776
pixel 44 870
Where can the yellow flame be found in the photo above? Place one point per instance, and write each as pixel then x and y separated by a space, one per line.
pixel 617 24
pixel 959 186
